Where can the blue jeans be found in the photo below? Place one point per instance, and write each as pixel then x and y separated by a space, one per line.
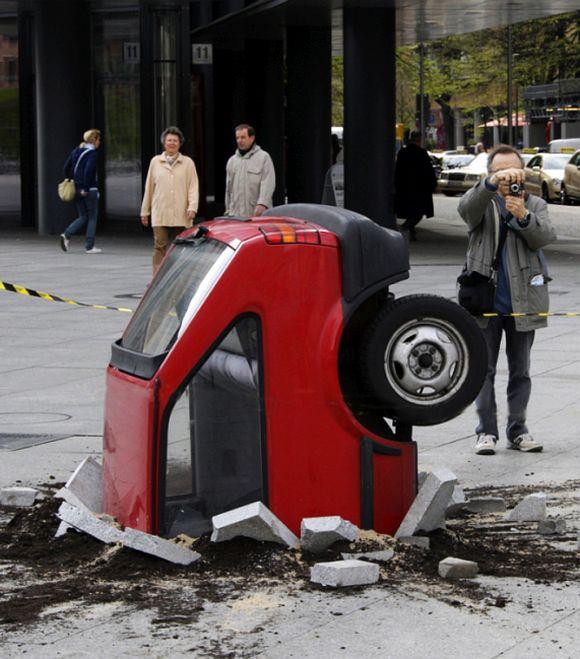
pixel 87 208
pixel 519 388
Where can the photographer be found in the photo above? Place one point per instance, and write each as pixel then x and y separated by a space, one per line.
pixel 494 206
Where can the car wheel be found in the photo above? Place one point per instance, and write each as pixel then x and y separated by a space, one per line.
pixel 545 193
pixel 422 360
pixel 450 194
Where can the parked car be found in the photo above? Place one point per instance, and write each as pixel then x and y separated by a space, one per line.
pixel 455 180
pixel 571 184
pixel 266 361
pixel 568 145
pixel 544 175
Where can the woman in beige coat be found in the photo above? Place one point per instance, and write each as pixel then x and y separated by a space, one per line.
pixel 171 194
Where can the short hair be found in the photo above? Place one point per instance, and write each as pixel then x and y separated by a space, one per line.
pixel 503 148
pixel 415 136
pixel 91 135
pixel 172 130
pixel 250 129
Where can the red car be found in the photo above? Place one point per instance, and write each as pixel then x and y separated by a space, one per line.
pixel 263 363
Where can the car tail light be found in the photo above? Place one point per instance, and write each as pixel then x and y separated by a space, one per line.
pixel 287 234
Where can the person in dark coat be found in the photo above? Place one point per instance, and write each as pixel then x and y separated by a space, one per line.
pixel 415 182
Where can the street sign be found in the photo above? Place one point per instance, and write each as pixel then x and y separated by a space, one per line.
pixel 202 53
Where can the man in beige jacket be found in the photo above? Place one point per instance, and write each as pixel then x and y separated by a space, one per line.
pixel 250 176
pixel 171 194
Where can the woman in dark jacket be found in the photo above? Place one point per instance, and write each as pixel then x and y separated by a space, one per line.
pixel 81 165
pixel 415 182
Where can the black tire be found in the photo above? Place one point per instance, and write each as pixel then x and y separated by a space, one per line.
pixel 565 198
pixel 545 193
pixel 453 357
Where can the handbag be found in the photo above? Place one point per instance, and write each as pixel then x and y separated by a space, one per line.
pixel 476 292
pixel 66 189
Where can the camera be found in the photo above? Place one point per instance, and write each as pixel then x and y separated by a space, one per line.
pixel 516 189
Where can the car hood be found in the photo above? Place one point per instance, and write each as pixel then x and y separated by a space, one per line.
pixel 555 173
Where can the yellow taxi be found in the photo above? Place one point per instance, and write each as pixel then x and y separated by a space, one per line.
pixel 571 183
pixel 544 175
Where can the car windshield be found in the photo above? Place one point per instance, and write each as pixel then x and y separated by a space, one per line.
pixel 556 161
pixel 185 278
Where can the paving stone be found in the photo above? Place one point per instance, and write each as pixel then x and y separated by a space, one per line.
pixel 552 526
pixel 19 497
pixel 420 541
pixel 457 568
pixel 427 512
pixel 86 521
pixel 344 573
pixel 252 521
pixel 159 547
pixel 530 509
pixel 486 505
pixel 318 533
pixel 457 502
pixel 381 556
pixel 85 486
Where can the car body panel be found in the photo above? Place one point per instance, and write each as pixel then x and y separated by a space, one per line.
pixel 545 172
pixel 572 176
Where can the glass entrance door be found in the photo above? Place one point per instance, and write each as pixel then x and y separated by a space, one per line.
pixel 117 63
pixel 10 121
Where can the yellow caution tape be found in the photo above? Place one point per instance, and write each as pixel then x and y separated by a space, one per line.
pixel 22 290
pixel 540 314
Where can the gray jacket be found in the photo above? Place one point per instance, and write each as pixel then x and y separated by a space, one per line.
pixel 250 180
pixel 481 213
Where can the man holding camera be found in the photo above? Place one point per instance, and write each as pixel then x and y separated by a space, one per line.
pixel 497 205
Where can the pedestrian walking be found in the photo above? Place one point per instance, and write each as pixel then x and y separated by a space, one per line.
pixel 501 218
pixel 415 183
pixel 171 196
pixel 81 166
pixel 250 176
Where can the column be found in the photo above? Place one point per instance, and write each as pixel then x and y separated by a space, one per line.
pixel 265 102
pixel 308 112
pixel 63 100
pixel 369 112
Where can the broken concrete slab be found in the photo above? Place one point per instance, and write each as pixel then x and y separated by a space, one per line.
pixel 530 509
pixel 344 573
pixel 63 527
pixel 19 497
pixel 457 502
pixel 427 512
pixel 457 568
pixel 85 486
pixel 420 541
pixel 159 547
pixel 319 533
pixel 381 556
pixel 6 518
pixel 486 505
pixel 87 522
pixel 252 521
pixel 552 526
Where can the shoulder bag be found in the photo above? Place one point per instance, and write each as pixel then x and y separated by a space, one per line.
pixel 476 292
pixel 66 188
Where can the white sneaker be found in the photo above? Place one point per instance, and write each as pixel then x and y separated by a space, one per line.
pixel 93 250
pixel 525 443
pixel 485 444
pixel 63 242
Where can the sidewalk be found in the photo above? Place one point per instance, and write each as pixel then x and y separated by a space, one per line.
pixel 53 358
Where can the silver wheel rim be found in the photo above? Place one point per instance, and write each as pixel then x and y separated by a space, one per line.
pixel 426 361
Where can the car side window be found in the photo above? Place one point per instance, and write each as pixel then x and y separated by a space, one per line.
pixel 533 162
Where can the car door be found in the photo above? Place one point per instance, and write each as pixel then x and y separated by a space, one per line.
pixel 572 176
pixel 533 184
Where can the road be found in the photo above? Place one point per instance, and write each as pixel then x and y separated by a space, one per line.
pixel 566 219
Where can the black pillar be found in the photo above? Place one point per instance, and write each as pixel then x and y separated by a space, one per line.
pixel 265 102
pixel 63 99
pixel 369 112
pixel 308 112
